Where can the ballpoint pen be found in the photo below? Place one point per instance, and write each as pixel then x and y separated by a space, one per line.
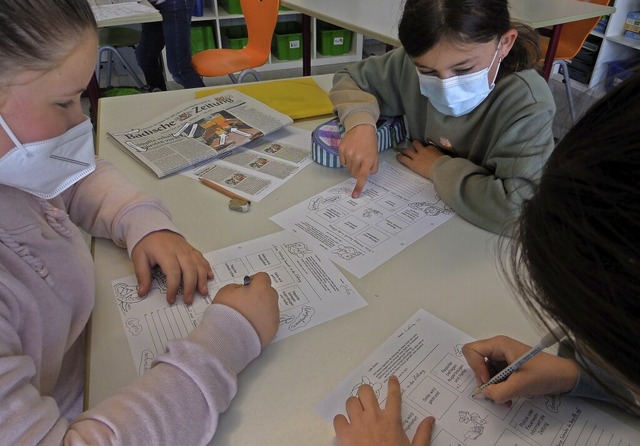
pixel 555 335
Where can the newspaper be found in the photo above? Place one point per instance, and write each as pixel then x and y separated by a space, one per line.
pixel 259 167
pixel 199 131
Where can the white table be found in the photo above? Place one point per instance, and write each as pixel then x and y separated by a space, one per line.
pixel 379 20
pixel 146 14
pixel 451 273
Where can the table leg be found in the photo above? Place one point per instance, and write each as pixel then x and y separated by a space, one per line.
pixel 306 45
pixel 551 51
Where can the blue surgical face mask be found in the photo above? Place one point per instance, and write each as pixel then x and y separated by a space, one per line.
pixel 46 168
pixel 458 95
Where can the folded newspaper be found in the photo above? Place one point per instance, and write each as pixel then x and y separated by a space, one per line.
pixel 199 131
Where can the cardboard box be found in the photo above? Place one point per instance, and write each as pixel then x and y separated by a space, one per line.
pixel 633 22
pixel 632 35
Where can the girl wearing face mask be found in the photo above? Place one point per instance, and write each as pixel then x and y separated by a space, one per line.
pixel 51 186
pixel 478 114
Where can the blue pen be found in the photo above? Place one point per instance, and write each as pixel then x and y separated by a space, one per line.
pixel 548 340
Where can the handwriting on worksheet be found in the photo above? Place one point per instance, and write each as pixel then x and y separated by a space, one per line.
pixel 425 354
pixel 396 208
pixel 311 290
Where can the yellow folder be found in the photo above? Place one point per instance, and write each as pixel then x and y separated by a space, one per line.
pixel 298 98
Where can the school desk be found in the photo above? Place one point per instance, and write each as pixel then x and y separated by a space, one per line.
pixel 149 14
pixel 451 272
pixel 379 20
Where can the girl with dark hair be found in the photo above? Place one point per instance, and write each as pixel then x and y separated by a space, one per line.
pixel 478 113
pixel 575 261
pixel 51 187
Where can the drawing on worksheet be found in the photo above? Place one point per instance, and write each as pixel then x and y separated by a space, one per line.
pixel 311 290
pixel 396 209
pixel 425 354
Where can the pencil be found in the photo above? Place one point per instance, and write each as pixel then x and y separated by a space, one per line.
pixel 547 341
pixel 221 189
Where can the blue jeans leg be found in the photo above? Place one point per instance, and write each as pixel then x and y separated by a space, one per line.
pixel 175 33
pixel 149 55
pixel 176 23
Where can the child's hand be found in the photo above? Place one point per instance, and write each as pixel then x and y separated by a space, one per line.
pixel 544 374
pixel 179 261
pixel 257 302
pixel 419 158
pixel 369 425
pixel 358 151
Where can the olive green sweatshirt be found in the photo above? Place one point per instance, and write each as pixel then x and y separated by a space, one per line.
pixel 497 150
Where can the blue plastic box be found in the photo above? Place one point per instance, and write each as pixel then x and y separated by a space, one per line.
pixel 618 71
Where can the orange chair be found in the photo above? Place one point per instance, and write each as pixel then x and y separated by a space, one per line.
pixel 260 17
pixel 572 38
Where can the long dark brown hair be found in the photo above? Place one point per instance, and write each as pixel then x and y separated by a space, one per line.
pixel 424 23
pixel 577 256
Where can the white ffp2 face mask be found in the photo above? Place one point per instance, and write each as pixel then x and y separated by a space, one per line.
pixel 47 168
pixel 458 95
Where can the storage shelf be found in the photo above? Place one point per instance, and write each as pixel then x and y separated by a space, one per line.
pixel 219 18
pixel 622 40
pixel 614 46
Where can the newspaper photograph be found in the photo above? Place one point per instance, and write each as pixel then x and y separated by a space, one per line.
pixel 259 167
pixel 199 131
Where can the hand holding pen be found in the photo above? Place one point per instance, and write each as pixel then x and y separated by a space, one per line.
pixel 256 300
pixel 533 371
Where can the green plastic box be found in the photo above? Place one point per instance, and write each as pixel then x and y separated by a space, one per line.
pixel 231 6
pixel 332 40
pixel 234 37
pixel 287 41
pixel 201 38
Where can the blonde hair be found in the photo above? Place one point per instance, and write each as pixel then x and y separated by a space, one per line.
pixel 38 34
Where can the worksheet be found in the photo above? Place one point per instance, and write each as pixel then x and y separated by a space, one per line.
pixel 311 290
pixel 396 208
pixel 259 167
pixel 425 354
pixel 104 11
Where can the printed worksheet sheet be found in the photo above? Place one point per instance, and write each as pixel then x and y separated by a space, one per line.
pixel 425 354
pixel 311 291
pixel 103 10
pixel 396 208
